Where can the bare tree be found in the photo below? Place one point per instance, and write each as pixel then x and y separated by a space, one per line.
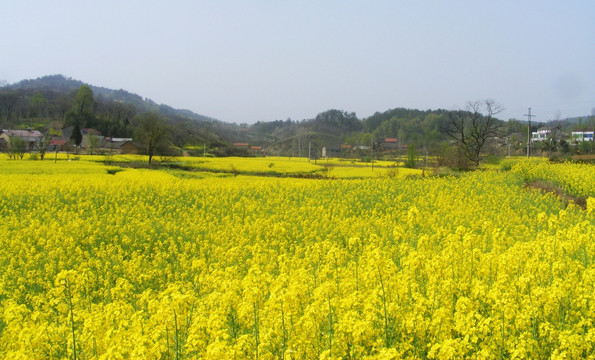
pixel 552 143
pixel 9 100
pixel 151 131
pixel 42 145
pixel 472 127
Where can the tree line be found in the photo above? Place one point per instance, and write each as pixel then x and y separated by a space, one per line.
pixel 459 137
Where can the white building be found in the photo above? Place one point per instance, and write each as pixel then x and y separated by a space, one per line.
pixel 582 136
pixel 541 134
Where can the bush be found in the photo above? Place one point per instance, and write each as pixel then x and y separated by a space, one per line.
pixel 492 160
pixel 411 157
pixel 452 157
pixel 113 171
pixel 392 172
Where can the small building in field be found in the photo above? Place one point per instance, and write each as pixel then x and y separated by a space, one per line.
pixel 114 143
pixel 241 145
pixel 541 134
pixel 130 147
pixel 30 137
pixel 58 145
pixel 390 144
pixel 91 138
pixel 256 150
pixel 578 136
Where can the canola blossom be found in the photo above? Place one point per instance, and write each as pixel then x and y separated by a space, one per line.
pixel 263 166
pixel 145 264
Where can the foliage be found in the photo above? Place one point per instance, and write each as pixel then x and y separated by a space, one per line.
pixel 49 102
pixel 575 179
pixel 42 145
pixel 151 131
pixel 77 136
pixel 411 156
pixel 472 127
pixel 16 148
pixel 141 264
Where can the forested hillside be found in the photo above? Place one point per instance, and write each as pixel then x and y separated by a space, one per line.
pixel 47 103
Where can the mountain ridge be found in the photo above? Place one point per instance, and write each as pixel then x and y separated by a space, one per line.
pixel 50 97
pixel 62 83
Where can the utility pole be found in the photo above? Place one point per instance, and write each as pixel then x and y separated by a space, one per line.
pixel 529 116
pixel 372 154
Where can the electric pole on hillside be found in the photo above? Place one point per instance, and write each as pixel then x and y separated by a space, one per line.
pixel 529 116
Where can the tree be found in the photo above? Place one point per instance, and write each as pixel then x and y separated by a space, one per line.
pixel 62 104
pixel 470 128
pixel 42 145
pixel 119 116
pixel 16 148
pixel 76 137
pixel 83 101
pixel 93 142
pixel 37 105
pixel 552 142
pixel 83 109
pixel 9 100
pixel 151 131
pixel 411 156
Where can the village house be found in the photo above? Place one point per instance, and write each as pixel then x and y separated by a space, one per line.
pixel 541 134
pixel 58 145
pixel 390 144
pixel 30 137
pixel 114 143
pixel 131 147
pixel 91 138
pixel 582 136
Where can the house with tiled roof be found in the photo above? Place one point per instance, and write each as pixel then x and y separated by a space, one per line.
pixel 29 137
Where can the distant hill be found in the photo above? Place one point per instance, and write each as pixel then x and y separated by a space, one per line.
pixel 43 103
pixel 63 84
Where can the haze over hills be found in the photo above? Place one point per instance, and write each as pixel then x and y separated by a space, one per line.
pixel 63 84
pixel 50 97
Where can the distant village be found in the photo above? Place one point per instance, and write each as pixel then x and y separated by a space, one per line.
pixel 58 114
pixel 31 141
pixel 93 142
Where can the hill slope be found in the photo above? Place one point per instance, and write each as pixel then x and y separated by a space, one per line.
pixel 63 84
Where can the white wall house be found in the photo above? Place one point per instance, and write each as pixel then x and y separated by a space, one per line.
pixel 582 136
pixel 540 134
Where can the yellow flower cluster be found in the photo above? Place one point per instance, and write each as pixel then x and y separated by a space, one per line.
pixel 265 166
pixel 146 265
pixel 328 168
pixel 576 179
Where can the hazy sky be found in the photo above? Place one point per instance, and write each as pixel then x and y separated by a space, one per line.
pixel 248 61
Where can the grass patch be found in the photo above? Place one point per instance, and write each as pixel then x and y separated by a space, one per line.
pixel 546 187
pixel 113 171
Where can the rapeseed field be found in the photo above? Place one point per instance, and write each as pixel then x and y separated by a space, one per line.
pixel 148 264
